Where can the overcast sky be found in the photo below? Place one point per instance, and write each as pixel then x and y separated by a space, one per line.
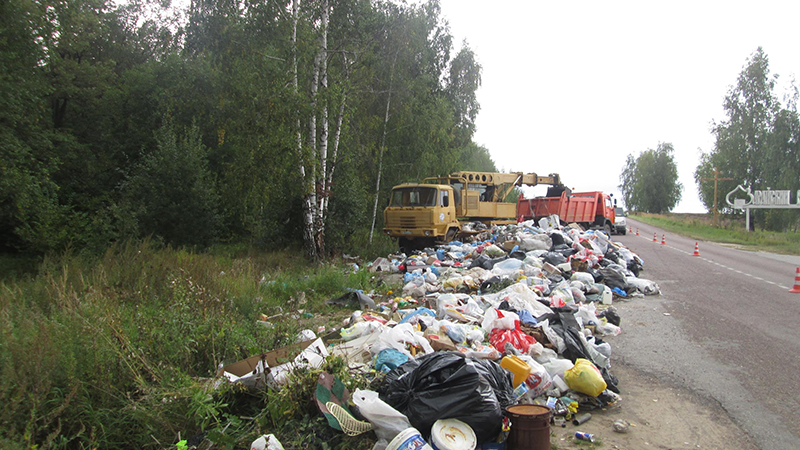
pixel 574 87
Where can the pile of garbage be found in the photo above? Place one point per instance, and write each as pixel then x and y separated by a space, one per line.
pixel 519 315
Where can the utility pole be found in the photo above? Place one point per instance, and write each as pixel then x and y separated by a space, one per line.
pixel 716 179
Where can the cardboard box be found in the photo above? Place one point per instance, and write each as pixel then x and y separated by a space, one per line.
pixel 509 245
pixel 274 366
pixel 312 356
pixel 439 342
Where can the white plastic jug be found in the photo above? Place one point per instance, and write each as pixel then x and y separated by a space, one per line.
pixel 607 296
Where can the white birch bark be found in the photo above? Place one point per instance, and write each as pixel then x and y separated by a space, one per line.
pixel 308 199
pixel 321 174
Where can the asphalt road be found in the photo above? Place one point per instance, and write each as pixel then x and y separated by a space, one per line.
pixel 725 327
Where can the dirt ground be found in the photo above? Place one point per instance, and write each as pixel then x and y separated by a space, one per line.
pixel 660 417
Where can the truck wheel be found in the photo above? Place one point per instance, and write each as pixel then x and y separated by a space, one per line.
pixel 607 229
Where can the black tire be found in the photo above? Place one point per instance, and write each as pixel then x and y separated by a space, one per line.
pixel 624 231
pixel 607 229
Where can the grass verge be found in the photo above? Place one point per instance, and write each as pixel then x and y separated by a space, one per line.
pixel 730 232
pixel 119 351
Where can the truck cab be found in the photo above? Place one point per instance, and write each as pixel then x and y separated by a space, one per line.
pixel 418 214
pixel 604 214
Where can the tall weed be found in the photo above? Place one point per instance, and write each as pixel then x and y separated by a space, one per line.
pixel 118 350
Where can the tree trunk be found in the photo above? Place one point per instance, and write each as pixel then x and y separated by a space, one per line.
pixel 308 202
pixel 334 159
pixel 321 175
pixel 380 150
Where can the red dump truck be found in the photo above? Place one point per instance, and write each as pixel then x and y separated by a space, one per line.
pixel 588 209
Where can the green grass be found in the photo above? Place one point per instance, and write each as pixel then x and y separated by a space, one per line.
pixel 117 351
pixel 13 267
pixel 730 232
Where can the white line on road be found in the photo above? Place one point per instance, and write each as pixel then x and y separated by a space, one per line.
pixel 718 264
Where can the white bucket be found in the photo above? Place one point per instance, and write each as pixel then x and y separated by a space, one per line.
pixel 452 434
pixel 408 439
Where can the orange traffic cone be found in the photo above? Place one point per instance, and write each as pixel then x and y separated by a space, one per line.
pixel 696 249
pixel 655 237
pixel 796 288
pixel 663 241
pixel 637 231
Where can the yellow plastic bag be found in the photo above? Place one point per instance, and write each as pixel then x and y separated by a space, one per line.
pixel 585 378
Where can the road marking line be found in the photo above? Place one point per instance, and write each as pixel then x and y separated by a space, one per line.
pixel 643 236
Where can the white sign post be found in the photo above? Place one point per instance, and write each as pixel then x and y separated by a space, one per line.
pixel 768 199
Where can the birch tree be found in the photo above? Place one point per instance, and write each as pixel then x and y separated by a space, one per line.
pixel 317 160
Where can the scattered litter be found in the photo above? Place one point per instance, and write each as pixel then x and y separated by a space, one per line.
pixel 266 442
pixel 620 426
pixel 452 434
pixel 519 316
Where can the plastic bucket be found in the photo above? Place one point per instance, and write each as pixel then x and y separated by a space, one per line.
pixel 408 439
pixel 530 427
pixel 452 434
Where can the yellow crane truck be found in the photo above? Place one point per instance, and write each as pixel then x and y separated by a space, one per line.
pixel 435 211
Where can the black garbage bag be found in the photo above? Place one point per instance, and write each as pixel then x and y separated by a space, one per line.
pixel 634 267
pixel 500 379
pixel 488 285
pixel 611 315
pixel 610 379
pixel 612 255
pixel 494 261
pixel 518 254
pixel 554 279
pixel 485 262
pixel 558 240
pixel 574 344
pixel 479 261
pixel 446 385
pixel 567 252
pixel 554 258
pixel 614 276
pixel 351 299
pixel 495 284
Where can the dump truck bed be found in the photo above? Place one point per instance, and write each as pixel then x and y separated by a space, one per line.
pixel 579 208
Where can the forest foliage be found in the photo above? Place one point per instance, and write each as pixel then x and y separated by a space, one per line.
pixel 130 119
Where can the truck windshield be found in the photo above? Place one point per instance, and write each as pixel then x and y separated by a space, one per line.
pixel 414 196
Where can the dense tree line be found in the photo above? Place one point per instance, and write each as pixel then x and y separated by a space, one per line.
pixel 758 144
pixel 226 121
